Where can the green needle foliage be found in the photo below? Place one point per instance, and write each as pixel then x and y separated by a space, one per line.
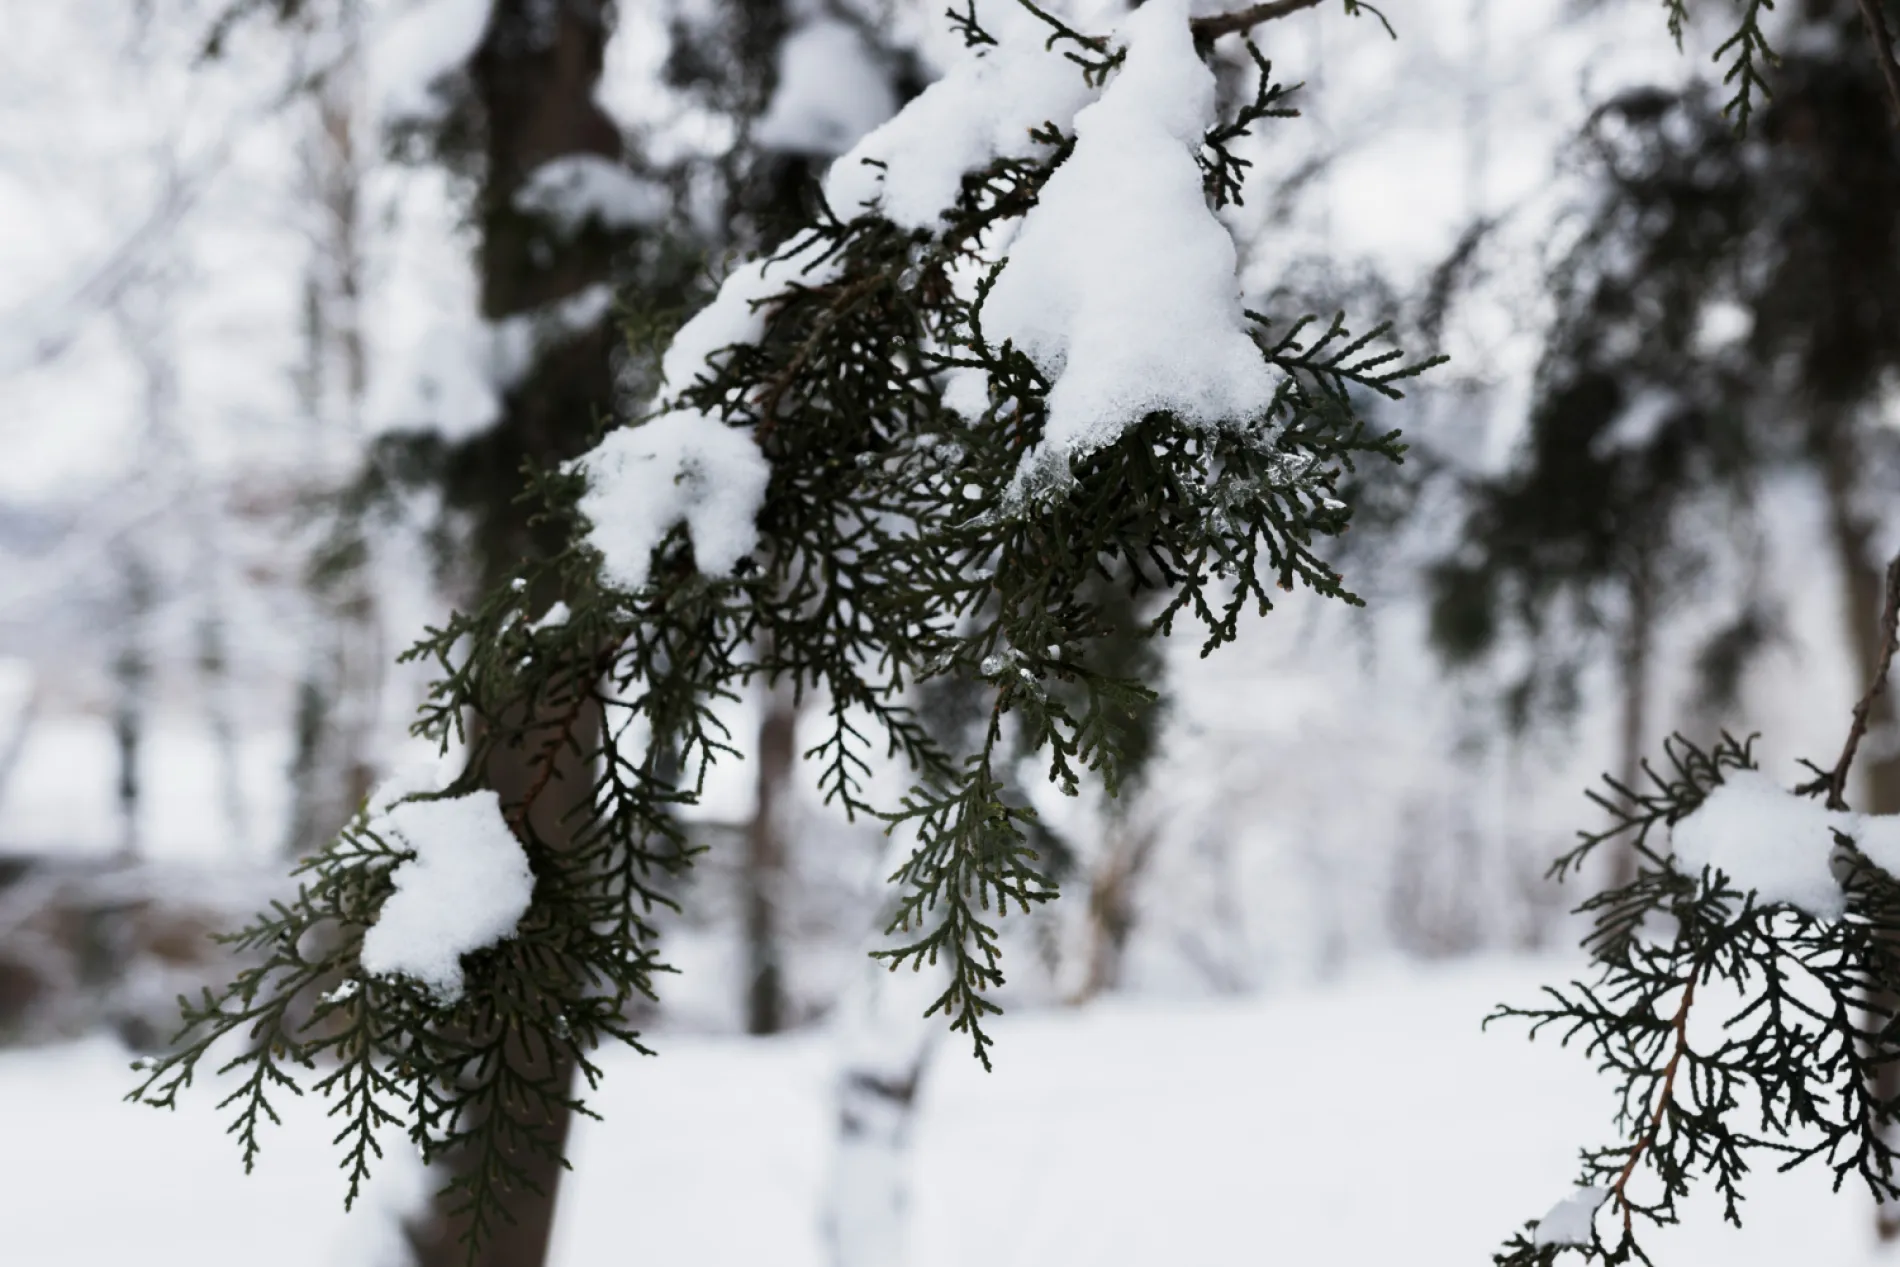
pixel 1745 55
pixel 891 556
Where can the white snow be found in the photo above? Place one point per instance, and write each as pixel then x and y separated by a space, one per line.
pixel 1118 1136
pixel 91 1181
pixel 1637 426
pixel 1122 286
pixel 467 887
pixel 982 109
pixel 1571 1220
pixel 1878 837
pixel 1142 1132
pixel 418 47
pixel 685 465
pixel 418 777
pixel 830 91
pixel 680 467
pixel 1765 839
pixel 577 188
pixel 517 342
pixel 739 311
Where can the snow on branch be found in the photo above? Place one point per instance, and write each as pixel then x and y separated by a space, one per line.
pixel 465 888
pixel 1121 286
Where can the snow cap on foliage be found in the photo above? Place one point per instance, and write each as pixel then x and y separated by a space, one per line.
pixel 574 189
pixel 1766 839
pixel 467 887
pixel 831 91
pixel 411 53
pixel 1572 1220
pixel 681 467
pixel 1779 845
pixel 739 311
pixel 686 466
pixel 1121 286
pixel 982 109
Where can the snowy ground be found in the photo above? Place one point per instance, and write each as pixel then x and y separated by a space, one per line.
pixel 1366 1123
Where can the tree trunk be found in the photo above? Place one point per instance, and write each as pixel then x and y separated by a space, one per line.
pixel 1111 909
pixel 131 675
pixel 886 1045
pixel 763 876
pixel 531 100
pixel 340 694
pixel 1633 669
pixel 436 1240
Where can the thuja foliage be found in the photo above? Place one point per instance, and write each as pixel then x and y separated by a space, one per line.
pixel 1738 1032
pixel 1745 55
pixel 892 554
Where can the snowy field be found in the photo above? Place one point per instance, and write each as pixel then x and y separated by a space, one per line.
pixel 1366 1123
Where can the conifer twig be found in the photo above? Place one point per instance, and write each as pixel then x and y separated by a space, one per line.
pixel 1877 35
pixel 1665 1095
pixel 1215 25
pixel 1834 782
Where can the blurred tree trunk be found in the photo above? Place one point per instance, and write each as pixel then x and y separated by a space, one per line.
pixel 763 877
pixel 887 1044
pixel 1111 908
pixel 340 691
pixel 1633 671
pixel 131 683
pixel 530 100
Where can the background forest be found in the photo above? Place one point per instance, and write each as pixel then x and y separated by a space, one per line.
pixel 291 290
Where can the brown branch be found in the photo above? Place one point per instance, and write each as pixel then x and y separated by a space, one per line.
pixel 1215 25
pixel 1663 1098
pixel 1834 782
pixel 1875 19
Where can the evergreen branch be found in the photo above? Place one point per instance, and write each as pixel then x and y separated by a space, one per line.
pixel 1834 782
pixel 1665 1096
pixel 1678 12
pixel 1805 1060
pixel 1750 50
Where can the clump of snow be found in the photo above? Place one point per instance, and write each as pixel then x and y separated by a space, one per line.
pixel 1766 839
pixel 983 108
pixel 831 91
pixel 1572 1220
pixel 418 48
pixel 1637 426
pixel 412 778
pixel 519 341
pixel 739 311
pixel 1878 837
pixel 681 467
pixel 467 887
pixel 685 466
pixel 1121 286
pixel 575 189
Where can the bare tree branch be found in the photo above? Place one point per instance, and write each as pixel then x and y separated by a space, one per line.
pixel 1216 25
pixel 1834 782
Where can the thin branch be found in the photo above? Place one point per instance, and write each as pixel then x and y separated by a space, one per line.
pixel 1664 1097
pixel 1834 783
pixel 1875 19
pixel 1215 25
